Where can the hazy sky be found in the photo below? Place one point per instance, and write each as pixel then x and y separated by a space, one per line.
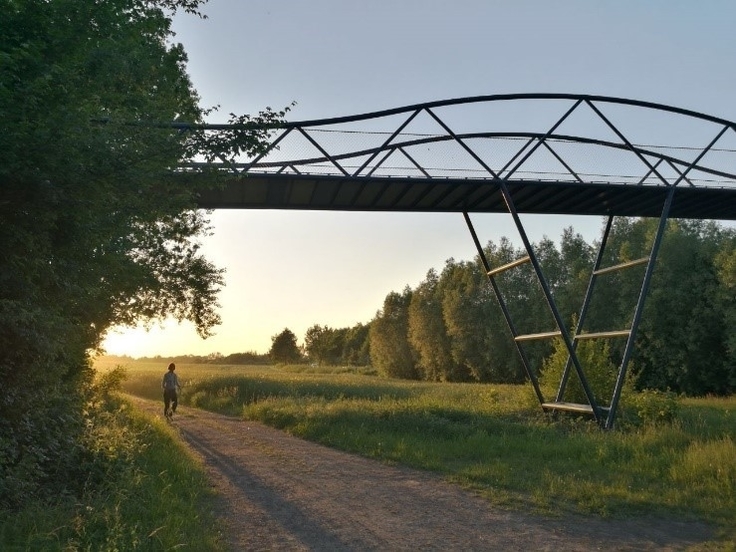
pixel 342 57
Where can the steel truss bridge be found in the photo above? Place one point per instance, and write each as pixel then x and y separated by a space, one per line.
pixel 516 154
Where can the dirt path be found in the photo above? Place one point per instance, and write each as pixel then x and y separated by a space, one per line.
pixel 282 493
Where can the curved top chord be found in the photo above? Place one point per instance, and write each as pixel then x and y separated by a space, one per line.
pixel 556 153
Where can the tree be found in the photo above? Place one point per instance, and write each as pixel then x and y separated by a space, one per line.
pixel 577 258
pixel 427 332
pixel 726 263
pixel 390 351
pixel 356 350
pixel 480 339
pixel 284 347
pixel 683 343
pixel 324 345
pixel 93 233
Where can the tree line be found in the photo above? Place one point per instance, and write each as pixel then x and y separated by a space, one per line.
pixel 450 326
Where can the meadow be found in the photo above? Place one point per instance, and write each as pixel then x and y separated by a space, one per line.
pixel 493 439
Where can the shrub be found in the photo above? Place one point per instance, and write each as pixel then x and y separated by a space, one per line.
pixel 594 356
pixel 649 407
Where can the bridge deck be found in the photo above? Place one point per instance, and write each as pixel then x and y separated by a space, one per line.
pixel 329 192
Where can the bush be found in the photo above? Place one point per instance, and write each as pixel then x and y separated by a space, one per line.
pixel 594 357
pixel 649 407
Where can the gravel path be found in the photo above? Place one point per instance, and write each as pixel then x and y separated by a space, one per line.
pixel 283 493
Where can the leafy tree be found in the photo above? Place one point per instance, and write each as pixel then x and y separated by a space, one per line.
pixel 577 258
pixel 480 337
pixel 726 265
pixel 683 338
pixel 284 347
pixel 464 309
pixel 428 335
pixel 685 341
pixel 323 344
pixel 390 351
pixel 94 234
pixel 356 350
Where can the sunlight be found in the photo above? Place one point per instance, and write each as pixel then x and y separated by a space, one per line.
pixel 168 338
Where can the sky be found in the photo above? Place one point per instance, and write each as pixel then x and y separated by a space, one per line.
pixel 295 269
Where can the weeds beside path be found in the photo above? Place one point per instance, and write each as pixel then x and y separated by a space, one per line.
pixel 282 493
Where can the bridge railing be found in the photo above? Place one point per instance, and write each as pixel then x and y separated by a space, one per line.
pixel 540 137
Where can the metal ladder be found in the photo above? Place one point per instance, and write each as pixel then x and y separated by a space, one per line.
pixel 604 415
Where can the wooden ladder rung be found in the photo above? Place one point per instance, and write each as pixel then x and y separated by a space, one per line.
pixel 512 264
pixel 595 335
pixel 543 335
pixel 627 264
pixel 572 407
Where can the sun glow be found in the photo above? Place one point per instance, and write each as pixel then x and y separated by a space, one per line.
pixel 168 338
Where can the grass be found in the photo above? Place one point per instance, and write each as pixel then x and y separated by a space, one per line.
pixel 490 438
pixel 154 496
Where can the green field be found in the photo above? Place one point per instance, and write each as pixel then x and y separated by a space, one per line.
pixel 489 438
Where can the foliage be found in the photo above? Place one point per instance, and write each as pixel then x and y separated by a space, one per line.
pixel 284 347
pixel 428 334
pixel 390 352
pixel 323 344
pixel 650 407
pixel 683 343
pixel 355 351
pixel 464 302
pixel 726 269
pixel 149 494
pixel 595 360
pixel 94 233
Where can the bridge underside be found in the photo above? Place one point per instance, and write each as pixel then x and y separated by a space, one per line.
pixel 328 192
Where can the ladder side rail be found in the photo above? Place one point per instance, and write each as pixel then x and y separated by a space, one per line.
pixel 506 314
pixel 550 300
pixel 628 349
pixel 586 304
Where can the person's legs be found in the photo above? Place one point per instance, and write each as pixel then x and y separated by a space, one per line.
pixel 167 402
pixel 174 401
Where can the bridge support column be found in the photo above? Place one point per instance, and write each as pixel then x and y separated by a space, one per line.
pixel 604 415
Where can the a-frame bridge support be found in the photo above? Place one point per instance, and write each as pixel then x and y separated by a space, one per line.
pixel 604 414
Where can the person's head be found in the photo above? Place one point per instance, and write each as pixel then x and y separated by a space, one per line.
pixel 172 367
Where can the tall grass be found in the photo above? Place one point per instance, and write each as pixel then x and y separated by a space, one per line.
pixel 491 438
pixel 147 494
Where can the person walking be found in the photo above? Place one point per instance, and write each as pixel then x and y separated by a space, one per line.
pixel 170 385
